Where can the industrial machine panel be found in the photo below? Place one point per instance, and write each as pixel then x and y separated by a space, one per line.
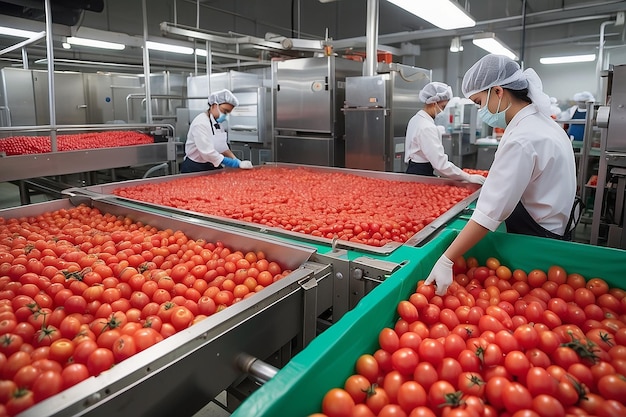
pixel 365 150
pixel 304 95
pixel 122 87
pixel 100 101
pixel 17 99
pixel 307 150
pixel 616 140
pixel 367 91
pixel 310 93
pixel 70 100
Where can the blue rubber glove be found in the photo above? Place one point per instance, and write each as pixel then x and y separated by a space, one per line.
pixel 231 162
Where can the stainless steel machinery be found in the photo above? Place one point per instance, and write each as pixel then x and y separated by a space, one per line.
pixel 309 94
pixel 462 126
pixel 86 98
pixel 377 111
pixel 609 209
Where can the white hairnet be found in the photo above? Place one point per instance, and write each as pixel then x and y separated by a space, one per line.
pixel 584 96
pixel 498 70
pixel 435 92
pixel 223 96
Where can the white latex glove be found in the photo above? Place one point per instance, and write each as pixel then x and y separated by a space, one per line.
pixel 441 275
pixel 476 179
pixel 245 165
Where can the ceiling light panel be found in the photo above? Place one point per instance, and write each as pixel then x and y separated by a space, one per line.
pixel 444 14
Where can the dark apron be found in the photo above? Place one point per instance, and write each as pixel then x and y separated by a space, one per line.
pixel 521 222
pixel 191 166
pixel 420 168
pixel 577 130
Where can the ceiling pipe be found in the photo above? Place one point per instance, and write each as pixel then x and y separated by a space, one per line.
pixel 371 48
pixel 600 60
pixel 575 14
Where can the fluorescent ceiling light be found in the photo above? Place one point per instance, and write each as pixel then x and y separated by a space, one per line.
pixel 445 14
pixel 95 44
pixel 200 52
pixel 490 43
pixel 456 45
pixel 165 47
pixel 18 33
pixel 568 59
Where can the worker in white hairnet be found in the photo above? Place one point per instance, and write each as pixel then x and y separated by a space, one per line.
pixel 423 147
pixel 206 147
pixel 532 182
pixel 555 110
pixel 578 111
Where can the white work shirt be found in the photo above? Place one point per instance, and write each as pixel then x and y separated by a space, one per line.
pixel 423 144
pixel 534 164
pixel 205 142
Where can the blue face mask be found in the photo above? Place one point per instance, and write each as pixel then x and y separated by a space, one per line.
pixel 221 118
pixel 497 119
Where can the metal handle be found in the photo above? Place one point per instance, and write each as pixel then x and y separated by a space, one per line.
pixel 81 106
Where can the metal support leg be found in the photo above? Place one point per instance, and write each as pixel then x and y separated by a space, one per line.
pixel 24 193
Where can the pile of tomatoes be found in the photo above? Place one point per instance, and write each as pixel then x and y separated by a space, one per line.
pixel 472 171
pixel 22 145
pixel 499 343
pixel 82 290
pixel 349 207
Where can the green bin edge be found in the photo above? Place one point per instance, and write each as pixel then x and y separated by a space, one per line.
pixel 298 388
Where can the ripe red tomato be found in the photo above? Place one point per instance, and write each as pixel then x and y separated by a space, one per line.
pixel 146 337
pixel 432 351
pixel 388 340
pixel 357 386
pixel 612 387
pixel 181 317
pixel 74 373
pixel 377 400
pixel 100 360
pixel 367 366
pixel 47 384
pixel 405 360
pixel 411 395
pixel 438 391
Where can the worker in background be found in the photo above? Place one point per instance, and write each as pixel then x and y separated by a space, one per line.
pixel 423 145
pixel 206 147
pixel 578 111
pixel 532 183
pixel 555 110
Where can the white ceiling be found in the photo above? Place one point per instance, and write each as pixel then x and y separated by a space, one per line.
pixel 575 23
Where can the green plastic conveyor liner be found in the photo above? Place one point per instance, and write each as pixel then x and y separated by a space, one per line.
pixel 298 388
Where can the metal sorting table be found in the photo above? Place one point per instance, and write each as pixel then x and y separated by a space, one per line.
pixel 416 239
pixel 356 268
pixel 20 167
pixel 182 373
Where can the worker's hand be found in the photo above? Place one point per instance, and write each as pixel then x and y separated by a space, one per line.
pixel 476 179
pixel 245 165
pixel 441 275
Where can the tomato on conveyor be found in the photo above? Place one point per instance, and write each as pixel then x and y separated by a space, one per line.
pixel 23 145
pixel 82 290
pixel 350 207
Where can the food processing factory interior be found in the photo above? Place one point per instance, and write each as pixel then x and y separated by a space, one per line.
pixel 242 207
